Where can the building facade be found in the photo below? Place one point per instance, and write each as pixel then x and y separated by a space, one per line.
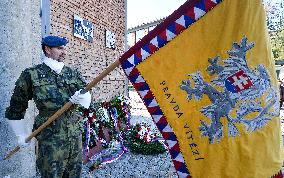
pixel 96 32
pixel 137 33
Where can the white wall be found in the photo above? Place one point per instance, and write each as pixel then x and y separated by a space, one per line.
pixel 19 48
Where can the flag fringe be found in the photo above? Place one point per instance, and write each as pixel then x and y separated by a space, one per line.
pixel 278 175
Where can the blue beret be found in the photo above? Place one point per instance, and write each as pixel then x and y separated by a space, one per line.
pixel 54 41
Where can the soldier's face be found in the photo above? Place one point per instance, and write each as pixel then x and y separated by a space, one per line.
pixel 56 53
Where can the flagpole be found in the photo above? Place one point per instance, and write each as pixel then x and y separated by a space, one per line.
pixel 65 107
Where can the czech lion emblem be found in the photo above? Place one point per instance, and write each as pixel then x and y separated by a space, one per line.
pixel 238 93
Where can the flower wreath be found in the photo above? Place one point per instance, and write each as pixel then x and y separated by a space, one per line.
pixel 141 139
pixel 112 116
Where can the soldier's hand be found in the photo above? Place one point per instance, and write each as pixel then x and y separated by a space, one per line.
pixel 21 141
pixel 82 99
pixel 20 131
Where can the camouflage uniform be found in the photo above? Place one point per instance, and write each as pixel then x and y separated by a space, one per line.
pixel 60 145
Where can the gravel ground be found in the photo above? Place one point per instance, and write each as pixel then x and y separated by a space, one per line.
pixel 134 165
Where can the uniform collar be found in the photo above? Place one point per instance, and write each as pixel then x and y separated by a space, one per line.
pixel 53 64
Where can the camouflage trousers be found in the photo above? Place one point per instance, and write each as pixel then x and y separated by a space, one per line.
pixel 58 158
pixel 60 152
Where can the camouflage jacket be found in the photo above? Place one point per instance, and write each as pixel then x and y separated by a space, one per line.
pixel 49 90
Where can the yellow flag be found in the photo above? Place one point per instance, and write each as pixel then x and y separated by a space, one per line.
pixel 207 78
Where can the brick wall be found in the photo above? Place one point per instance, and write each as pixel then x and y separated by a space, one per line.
pixel 91 58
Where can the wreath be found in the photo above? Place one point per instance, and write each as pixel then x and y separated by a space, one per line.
pixel 142 140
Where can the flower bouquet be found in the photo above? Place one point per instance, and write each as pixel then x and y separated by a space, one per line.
pixel 141 139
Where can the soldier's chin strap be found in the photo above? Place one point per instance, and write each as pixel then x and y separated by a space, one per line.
pixel 65 107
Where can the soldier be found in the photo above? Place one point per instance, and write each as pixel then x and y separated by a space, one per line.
pixel 50 85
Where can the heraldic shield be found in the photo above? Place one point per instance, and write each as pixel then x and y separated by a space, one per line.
pixel 207 78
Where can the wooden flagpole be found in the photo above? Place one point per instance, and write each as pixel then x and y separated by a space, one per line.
pixel 65 107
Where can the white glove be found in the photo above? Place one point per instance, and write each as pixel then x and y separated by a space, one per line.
pixel 82 99
pixel 21 132
pixel 22 141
